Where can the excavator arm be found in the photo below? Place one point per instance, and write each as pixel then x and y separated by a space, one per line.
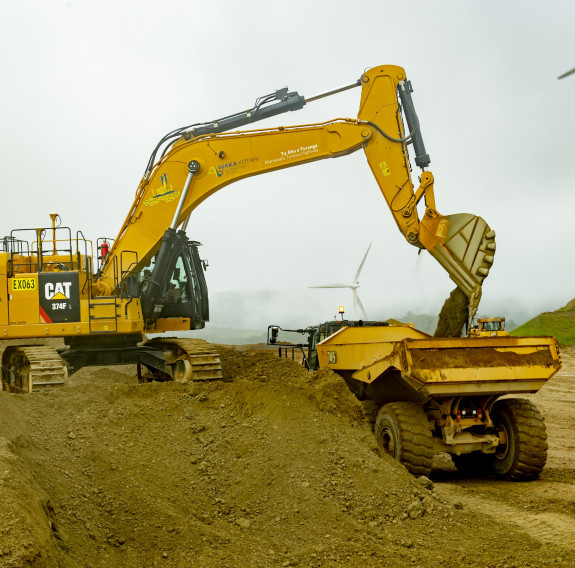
pixel 205 159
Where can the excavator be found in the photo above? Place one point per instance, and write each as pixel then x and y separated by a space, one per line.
pixel 103 300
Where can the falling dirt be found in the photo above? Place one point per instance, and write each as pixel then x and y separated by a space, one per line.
pixel 272 466
pixel 453 315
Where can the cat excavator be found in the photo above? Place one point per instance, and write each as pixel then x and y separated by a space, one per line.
pixel 103 298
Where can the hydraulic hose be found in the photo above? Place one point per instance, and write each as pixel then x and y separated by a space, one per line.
pixel 405 140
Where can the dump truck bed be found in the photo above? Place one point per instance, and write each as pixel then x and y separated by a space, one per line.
pixel 442 367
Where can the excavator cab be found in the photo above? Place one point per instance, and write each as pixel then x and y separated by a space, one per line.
pixel 184 296
pixel 173 285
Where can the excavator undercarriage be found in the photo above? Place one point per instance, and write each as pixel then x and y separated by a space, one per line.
pixel 185 360
pixel 29 368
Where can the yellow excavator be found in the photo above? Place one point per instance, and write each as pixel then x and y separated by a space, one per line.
pixel 489 327
pixel 103 299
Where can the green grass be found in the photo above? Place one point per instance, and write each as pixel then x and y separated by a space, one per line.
pixel 560 324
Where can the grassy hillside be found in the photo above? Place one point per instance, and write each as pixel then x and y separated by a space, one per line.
pixel 560 324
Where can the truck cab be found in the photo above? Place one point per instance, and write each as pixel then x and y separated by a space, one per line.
pixel 489 327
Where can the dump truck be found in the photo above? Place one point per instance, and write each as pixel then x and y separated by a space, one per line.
pixel 427 395
pixel 424 395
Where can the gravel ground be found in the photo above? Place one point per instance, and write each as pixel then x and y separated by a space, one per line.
pixel 270 467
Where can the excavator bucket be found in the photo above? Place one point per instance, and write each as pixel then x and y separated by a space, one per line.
pixel 464 245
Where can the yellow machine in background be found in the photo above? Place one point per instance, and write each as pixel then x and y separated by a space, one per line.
pixel 151 279
pixel 425 395
pixel 489 327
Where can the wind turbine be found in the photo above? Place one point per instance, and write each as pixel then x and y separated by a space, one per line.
pixel 354 286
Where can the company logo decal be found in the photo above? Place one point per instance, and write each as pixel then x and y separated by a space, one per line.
pixel 59 297
pixel 57 290
pixel 231 167
pixel 58 294
pixel 163 194
pixel 301 152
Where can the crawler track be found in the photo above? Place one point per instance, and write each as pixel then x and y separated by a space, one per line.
pixel 30 368
pixel 202 357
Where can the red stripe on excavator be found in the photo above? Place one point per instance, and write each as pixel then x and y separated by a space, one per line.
pixel 45 316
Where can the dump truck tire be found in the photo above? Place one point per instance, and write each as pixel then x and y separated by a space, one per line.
pixel 370 411
pixel 402 431
pixel 524 454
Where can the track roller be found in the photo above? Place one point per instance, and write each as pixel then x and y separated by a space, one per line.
pixel 184 360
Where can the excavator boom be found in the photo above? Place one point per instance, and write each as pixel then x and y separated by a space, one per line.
pixel 205 159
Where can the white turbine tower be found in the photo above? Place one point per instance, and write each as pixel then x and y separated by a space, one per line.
pixel 353 286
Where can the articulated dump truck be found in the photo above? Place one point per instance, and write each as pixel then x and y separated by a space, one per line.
pixel 425 395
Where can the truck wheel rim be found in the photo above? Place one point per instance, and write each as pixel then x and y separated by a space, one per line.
pixel 502 449
pixel 387 442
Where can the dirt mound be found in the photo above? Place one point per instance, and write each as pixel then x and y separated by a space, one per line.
pixel 272 466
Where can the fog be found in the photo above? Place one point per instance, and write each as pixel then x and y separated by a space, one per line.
pixel 90 87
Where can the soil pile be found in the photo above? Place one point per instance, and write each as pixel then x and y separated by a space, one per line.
pixel 272 466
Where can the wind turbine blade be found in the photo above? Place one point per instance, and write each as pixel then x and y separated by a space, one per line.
pixel 332 286
pixel 567 74
pixel 355 299
pixel 361 265
pixel 360 304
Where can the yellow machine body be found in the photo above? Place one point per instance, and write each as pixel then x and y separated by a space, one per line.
pixel 463 243
pixel 425 395
pixel 435 367
pixel 56 287
pixel 489 327
pixel 169 192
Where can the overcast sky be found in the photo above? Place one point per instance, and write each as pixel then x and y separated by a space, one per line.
pixel 89 87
